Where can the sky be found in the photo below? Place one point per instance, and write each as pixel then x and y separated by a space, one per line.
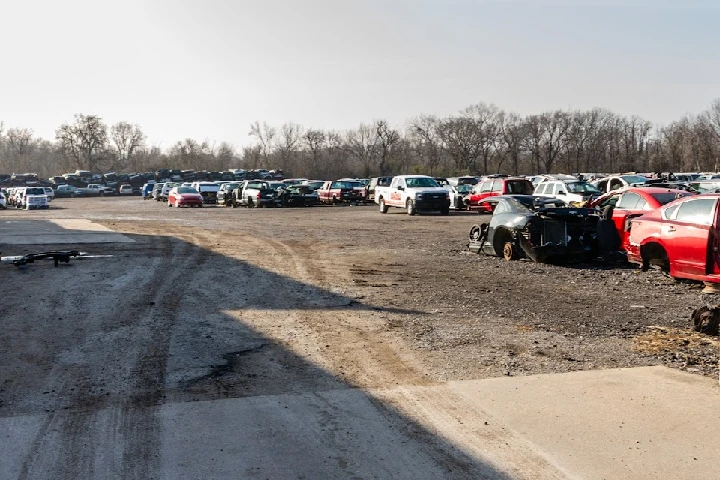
pixel 208 69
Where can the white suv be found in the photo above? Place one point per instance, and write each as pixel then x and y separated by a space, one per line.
pixel 571 191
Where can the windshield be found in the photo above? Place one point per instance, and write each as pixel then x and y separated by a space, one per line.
pixel 464 188
pixel 520 187
pixel 415 182
pixel 634 179
pixel 347 185
pixel 186 190
pixel 35 191
pixel 582 187
pixel 668 197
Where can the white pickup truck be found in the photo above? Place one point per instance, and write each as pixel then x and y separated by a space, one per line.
pixel 414 193
pixel 94 189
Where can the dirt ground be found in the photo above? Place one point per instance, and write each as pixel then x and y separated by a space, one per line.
pixel 265 301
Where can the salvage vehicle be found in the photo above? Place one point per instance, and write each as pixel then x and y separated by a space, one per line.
pixel 30 198
pixel 541 229
pixel 65 191
pixel 339 192
pixel 680 237
pixel 615 182
pixel 376 182
pixel 208 190
pixel 255 193
pixel 147 190
pixel 297 196
pixel 496 185
pixel 571 191
pixel 414 193
pixel 185 197
pixel 225 195
pixel 622 205
pixel 458 195
pixel 94 190
pixel 125 189
pixel 157 191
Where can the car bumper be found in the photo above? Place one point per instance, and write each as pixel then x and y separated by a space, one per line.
pixel 432 204
pixel 188 203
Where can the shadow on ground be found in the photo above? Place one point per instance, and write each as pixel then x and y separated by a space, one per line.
pixel 150 364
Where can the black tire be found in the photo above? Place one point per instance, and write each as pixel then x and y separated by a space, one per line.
pixel 475 233
pixel 102 194
pixel 250 203
pixel 410 206
pixel 383 207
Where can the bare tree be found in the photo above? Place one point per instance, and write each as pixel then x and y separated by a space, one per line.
pixel 462 140
pixel 20 140
pixel 387 138
pixel 84 141
pixel 362 144
pixel 315 141
pixel 513 137
pixel 424 130
pixel 287 144
pixel 265 135
pixel 127 139
pixel 547 134
pixel 488 124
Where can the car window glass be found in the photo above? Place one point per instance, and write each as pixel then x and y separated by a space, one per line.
pixel 643 205
pixel 629 201
pixel 497 186
pixel 540 189
pixel 485 187
pixel 501 207
pixel 698 211
pixel 670 212
pixel 555 189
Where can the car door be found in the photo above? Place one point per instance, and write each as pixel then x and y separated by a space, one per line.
pixel 686 236
pixel 626 208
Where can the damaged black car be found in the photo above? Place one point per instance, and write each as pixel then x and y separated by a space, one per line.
pixel 542 229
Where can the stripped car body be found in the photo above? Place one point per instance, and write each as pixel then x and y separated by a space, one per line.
pixel 542 229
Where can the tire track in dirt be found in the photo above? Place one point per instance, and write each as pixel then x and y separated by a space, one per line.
pixel 149 306
pixel 346 340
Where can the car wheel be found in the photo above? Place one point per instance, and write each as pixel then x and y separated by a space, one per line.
pixel 510 251
pixel 410 207
pixel 383 207
pixel 169 204
pixel 199 205
pixel 474 233
pixel 250 203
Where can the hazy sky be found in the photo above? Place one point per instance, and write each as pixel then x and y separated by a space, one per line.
pixel 207 69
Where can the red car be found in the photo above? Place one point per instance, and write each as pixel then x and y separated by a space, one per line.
pixel 184 196
pixel 680 237
pixel 623 205
pixel 492 186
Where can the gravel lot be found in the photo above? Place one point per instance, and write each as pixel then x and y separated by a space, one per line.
pixel 217 302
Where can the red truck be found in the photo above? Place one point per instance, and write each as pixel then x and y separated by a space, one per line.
pixel 339 192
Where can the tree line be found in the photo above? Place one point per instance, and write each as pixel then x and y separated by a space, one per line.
pixel 480 139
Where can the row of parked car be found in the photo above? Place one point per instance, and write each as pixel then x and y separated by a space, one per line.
pixel 29 198
pixel 258 192
pixel 675 229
